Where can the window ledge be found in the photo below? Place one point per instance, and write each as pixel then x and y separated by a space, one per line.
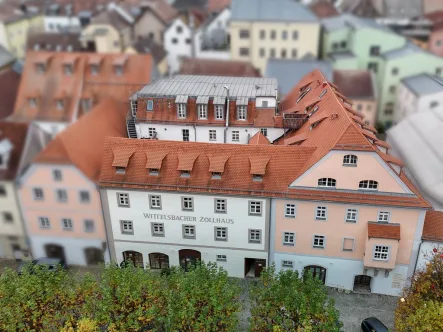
pixel 290 217
pixel 349 165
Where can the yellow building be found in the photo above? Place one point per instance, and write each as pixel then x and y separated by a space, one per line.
pixel 263 29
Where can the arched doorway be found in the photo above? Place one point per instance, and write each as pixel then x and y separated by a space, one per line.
pixel 134 256
pixel 317 272
pixel 94 256
pixel 362 284
pixel 188 256
pixel 158 261
pixel 55 251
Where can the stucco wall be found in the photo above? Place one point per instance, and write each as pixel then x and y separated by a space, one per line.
pixel 109 42
pixel 180 49
pixel 368 108
pixel 148 24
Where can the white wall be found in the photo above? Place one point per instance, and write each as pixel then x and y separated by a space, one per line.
pixel 9 203
pixel 52 128
pixel 426 253
pixel 181 48
pixel 54 23
pixel 174 132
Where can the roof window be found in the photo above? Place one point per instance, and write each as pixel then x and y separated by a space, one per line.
pixel 216 176
pixel 304 93
pixel 154 171
pixel 120 170
pixel 185 174
pixel 257 177
pixel 323 93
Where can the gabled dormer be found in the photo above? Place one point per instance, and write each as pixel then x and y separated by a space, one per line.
pixel 42 63
pixel 119 65
pixel 94 64
pixel 5 152
pixel 69 63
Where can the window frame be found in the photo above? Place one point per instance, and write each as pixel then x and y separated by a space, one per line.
pixel 122 228
pixel 57 175
pixel 221 258
pixel 40 222
pixel 183 135
pixel 149 105
pixel 318 208
pixel 254 231
pixel 350 158
pixel 319 238
pixel 244 34
pixel 383 213
pixel 290 235
pixel 243 51
pixel 343 244
pixel 152 198
pixel 119 203
pixel 194 230
pixel 86 228
pixel 351 221
pixel 290 206
pixel 187 200
pixel 202 111
pixel 181 111
pixel 243 111
pixel 224 202
pixel 329 183
pixel 155 233
pixel 216 238
pixel 69 220
pixel 36 198
pixel 289 266
pixel 380 252
pixel 264 132
pixel 255 213
pixel 235 133
pixel 212 135
pixel 368 182
pixel 8 217
pixel 61 199
pixel 219 110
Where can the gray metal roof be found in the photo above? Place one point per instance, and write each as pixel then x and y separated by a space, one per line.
pixel 403 8
pixel 417 141
pixel 271 10
pixel 289 72
pixel 408 49
pixel 211 86
pixel 352 22
pixel 341 55
pixel 424 84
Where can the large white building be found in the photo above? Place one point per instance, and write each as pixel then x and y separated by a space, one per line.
pixel 177 42
pixel 194 108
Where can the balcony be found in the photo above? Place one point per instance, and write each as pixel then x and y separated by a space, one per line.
pixel 381 245
pixel 294 120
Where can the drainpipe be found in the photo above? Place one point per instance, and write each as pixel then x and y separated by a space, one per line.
pixel 195 133
pixel 227 113
pixel 418 256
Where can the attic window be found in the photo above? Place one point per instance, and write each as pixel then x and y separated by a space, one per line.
pixel 185 174
pixel 216 175
pixel 154 171
pixel 120 170
pixel 60 104
pixel 68 69
pixel 40 68
pixel 94 69
pixel 304 93
pixel 86 104
pixel 118 69
pixel 32 102
pixel 323 93
pixel 313 111
pixel 257 177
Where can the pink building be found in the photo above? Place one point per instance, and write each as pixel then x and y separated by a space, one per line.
pixel 351 216
pixel 60 204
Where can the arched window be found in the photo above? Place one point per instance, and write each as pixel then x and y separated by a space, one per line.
pixel 350 159
pixel 368 184
pixel 326 182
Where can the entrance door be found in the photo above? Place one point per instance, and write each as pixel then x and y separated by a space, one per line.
pixel 158 261
pixel 254 267
pixel 135 257
pixel 362 283
pixel 188 256
pixel 94 256
pixel 317 272
pixel 55 251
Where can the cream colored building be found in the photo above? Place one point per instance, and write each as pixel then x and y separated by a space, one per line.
pixel 262 29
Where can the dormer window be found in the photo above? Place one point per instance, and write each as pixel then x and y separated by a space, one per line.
pixel 323 93
pixel 68 69
pixel 120 170
pixel 94 69
pixel 241 112
pixel 181 111
pixel 202 111
pixel 60 104
pixel 118 70
pixel 32 102
pixel 154 171
pixel 313 111
pixel 257 177
pixel 350 160
pixel 216 176
pixel 327 182
pixel 185 174
pixel 86 104
pixel 368 185
pixel 304 93
pixel 219 112
pixel 40 68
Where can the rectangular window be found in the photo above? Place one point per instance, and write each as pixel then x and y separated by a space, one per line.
pixel 84 196
pixel 212 135
pixel 318 242
pixel 219 112
pixel 381 253
pixel 254 236
pixel 235 136
pixel 348 244
pixel 290 211
pixel 38 194
pixel 202 111
pixel 155 202
pixel 264 131
pixel 57 175
pixel 244 34
pixel 395 71
pixel 373 66
pixel 221 258
pixel 220 205
pixel 262 52
pixel 89 226
pixel 273 34
pixel 123 199
pixel 181 111
pixel 157 229
pixel 126 227
pixel 384 216
pixel 150 105
pixel 241 112
pixel 289 264
pixel 151 132
pixel 185 133
pixel 294 53
pixel 2 191
pixel 284 35
pixel 288 239
pixel 244 51
pixel 44 222
pixel 188 231
pixel 185 174
pixel 374 51
pixel 351 215
pixel 272 53
pixel 187 204
pixel 221 233
pixel 67 224
pixel 7 217
pixel 392 89
pixel 62 195
pixel 320 213
pixel 216 175
pixel 295 35
pixel 255 208
pixel 262 34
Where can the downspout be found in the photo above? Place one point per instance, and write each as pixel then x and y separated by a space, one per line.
pixel 418 256
pixel 227 114
pixel 195 133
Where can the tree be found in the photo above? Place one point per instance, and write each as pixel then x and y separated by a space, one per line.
pixel 288 301
pixel 421 306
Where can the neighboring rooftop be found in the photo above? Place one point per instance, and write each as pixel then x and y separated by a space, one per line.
pixel 417 141
pixel 113 18
pixel 213 86
pixel 408 49
pixel 272 11
pixel 355 84
pixel 161 8
pixel 185 5
pixel 384 230
pixel 216 6
pixel 213 67
pixel 6 57
pixel 289 72
pixel 12 139
pixel 424 84
pixel 148 45
pixel 81 144
pixel 9 85
pixel 54 41
pixel 402 8
pixel 433 227
pixel 346 21
pixel 323 9
pixel 341 55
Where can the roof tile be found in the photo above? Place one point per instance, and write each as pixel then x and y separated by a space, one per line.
pixel 433 227
pixel 384 231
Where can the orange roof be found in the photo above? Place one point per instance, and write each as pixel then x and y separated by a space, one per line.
pixel 54 81
pixel 121 158
pixel 384 230
pixel 295 139
pixel 383 144
pixel 154 159
pixel 258 164
pixel 81 144
pixel 214 67
pixel 217 162
pixel 433 227
pixel 258 139
pixel 390 159
pixel 186 160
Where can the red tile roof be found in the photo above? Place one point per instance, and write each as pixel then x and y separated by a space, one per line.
pixel 161 8
pixel 433 227
pixel 354 83
pixel 323 9
pixel 216 6
pixel 213 67
pixel 81 144
pixel 258 139
pixel 53 83
pixel 15 133
pixel 384 231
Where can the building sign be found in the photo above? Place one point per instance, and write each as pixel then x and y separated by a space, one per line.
pixel 156 216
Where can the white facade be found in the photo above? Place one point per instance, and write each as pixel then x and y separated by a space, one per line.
pixel 57 23
pixel 51 127
pixel 237 220
pixel 426 253
pixel 202 133
pixel 178 43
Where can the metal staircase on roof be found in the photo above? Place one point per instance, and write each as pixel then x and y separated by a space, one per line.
pixel 130 126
